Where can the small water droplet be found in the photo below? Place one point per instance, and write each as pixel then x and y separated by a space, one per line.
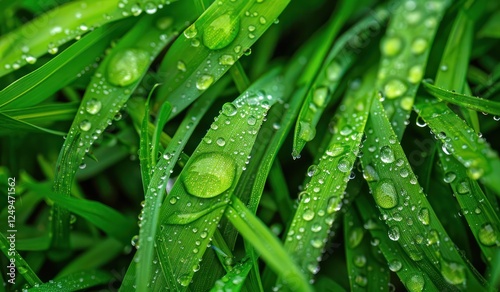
pixel 452 272
pixel 418 46
pixel 385 194
pixel 395 88
pixel 415 74
pixel 344 165
pixel 85 125
pixel 204 81
pixel 449 177
pixel 221 142
pixel 227 60
pixel 391 46
pixel 320 95
pixel 386 154
pixel 191 31
pixel 150 8
pixel 487 235
pixel 181 66
pixel 334 204
pixel 423 216
pixel 229 109
pixel 184 280
pixel 415 283
pixel 463 187
pixel 395 265
pixel 251 120
pixel 93 106
pixel 306 131
pixel 333 71
pixel 221 31
pixel 308 215
pixel 355 237
pixel 393 233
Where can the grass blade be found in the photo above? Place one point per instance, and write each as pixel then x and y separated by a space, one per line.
pixel 234 279
pixel 77 281
pixel 20 263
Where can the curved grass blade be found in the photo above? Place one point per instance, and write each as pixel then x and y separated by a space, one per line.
pixel 405 49
pixel 44 114
pixel 111 86
pixel 340 58
pixel 209 178
pixel 210 46
pixel 59 71
pixel 397 194
pixel 77 281
pixel 267 244
pixel 464 100
pixel 323 195
pixel 56 27
pixel 462 142
pixel 21 265
pixel 482 218
pixel 414 275
pixel 366 273
pixel 234 279
pixel 154 195
pixel 11 125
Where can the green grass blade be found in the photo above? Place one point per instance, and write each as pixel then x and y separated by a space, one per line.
pixel 462 142
pixel 395 188
pixel 56 27
pixel 322 198
pixel 154 195
pixel 234 279
pixel 21 265
pixel 217 162
pixel 77 281
pixel 464 100
pixel 267 245
pixel 161 120
pixel 340 58
pixel 59 71
pixel 210 46
pixel 405 49
pixel 44 114
pixel 111 86
pixel 11 125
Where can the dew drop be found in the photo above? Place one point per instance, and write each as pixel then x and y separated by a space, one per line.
pixel 191 31
pixel 385 194
pixel 221 31
pixel 227 60
pixel 391 46
pixel 221 142
pixel 416 283
pixel 395 266
pixel 204 81
pixel 386 154
pixel 344 165
pixel 452 272
pixel 320 95
pixel 184 280
pixel 150 8
pixel 251 120
pixel 463 187
pixel 126 66
pixel 93 106
pixel 355 237
pixel 419 46
pixel 229 109
pixel 85 125
pixel 487 235
pixel 209 174
pixel 334 204
pixel 334 150
pixel 370 174
pixel 415 74
pixel 393 233
pixel 30 59
pixel 423 216
pixel 333 71
pixel 308 215
pixel 306 131
pixel 181 66
pixel 395 88
pixel 449 177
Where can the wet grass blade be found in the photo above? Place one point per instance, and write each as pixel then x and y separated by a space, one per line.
pixel 111 86
pixel 340 58
pixel 46 33
pixel 464 100
pixel 11 125
pixel 462 142
pixel 397 194
pixel 405 49
pixel 210 46
pixel 234 279
pixel 267 245
pixel 77 281
pixel 194 209
pixel 322 197
pixel 21 265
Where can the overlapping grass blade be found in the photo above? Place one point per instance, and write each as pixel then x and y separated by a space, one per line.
pixel 21 265
pixel 44 114
pixel 210 46
pixel 397 193
pixel 322 198
pixel 464 100
pixel 111 86
pixel 340 58
pixel 234 279
pixel 205 185
pixel 366 273
pixel 267 245
pixel 462 142
pixel 62 69
pixel 11 125
pixel 74 282
pixel 54 28
pixel 405 49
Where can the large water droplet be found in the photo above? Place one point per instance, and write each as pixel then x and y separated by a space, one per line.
pixel 204 81
pixel 391 46
pixel 308 215
pixel 416 283
pixel 93 106
pixel 385 194
pixel 333 71
pixel 306 131
pixel 126 66
pixel 85 125
pixel 334 204
pixel 191 31
pixel 395 88
pixel 423 216
pixel 393 233
pixel 415 74
pixel 452 272
pixel 229 109
pixel 227 59
pixel 320 95
pixel 386 154
pixel 395 265
pixel 221 31
pixel 419 46
pixel 449 177
pixel 488 235
pixel 209 174
pixel 355 237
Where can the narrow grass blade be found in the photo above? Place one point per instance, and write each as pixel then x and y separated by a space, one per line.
pixel 366 273
pixel 21 265
pixel 398 194
pixel 464 100
pixel 77 281
pixel 11 125
pixel 59 71
pixel 161 121
pixel 44 114
pixel 491 29
pixel 210 46
pixel 340 58
pixel 267 245
pixel 323 195
pixel 111 86
pixel 482 218
pixel 154 195
pixel 462 142
pixel 405 49
pixel 234 279
pixel 206 183
pixel 49 31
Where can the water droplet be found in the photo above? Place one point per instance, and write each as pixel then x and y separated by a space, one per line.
pixel 344 165
pixel 391 46
pixel 395 88
pixel 93 106
pixel 463 187
pixel 385 194
pixel 370 174
pixel 262 20
pixel 452 272
pixel 334 204
pixel 173 200
pixel 449 177
pixel 85 125
pixel 386 154
pixel 333 71
pixel 415 74
pixel 191 31
pixel 204 81
pixel 416 283
pixel 126 66
pixel 423 216
pixel 30 59
pixel 487 235
pixel 229 109
pixel 150 8
pixel 135 241
pixel 221 31
pixel 334 150
pixel 308 215
pixel 395 266
pixel 419 46
pixel 181 66
pixel 227 60
pixel 251 120
pixel 346 130
pixel 361 280
pixel 355 237
pixel 443 68
pixel 184 280
pixel 135 10
pixel 306 131
pixel 221 142
pixel 360 261
pixel 320 95
pixel 393 233
pixel 209 174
